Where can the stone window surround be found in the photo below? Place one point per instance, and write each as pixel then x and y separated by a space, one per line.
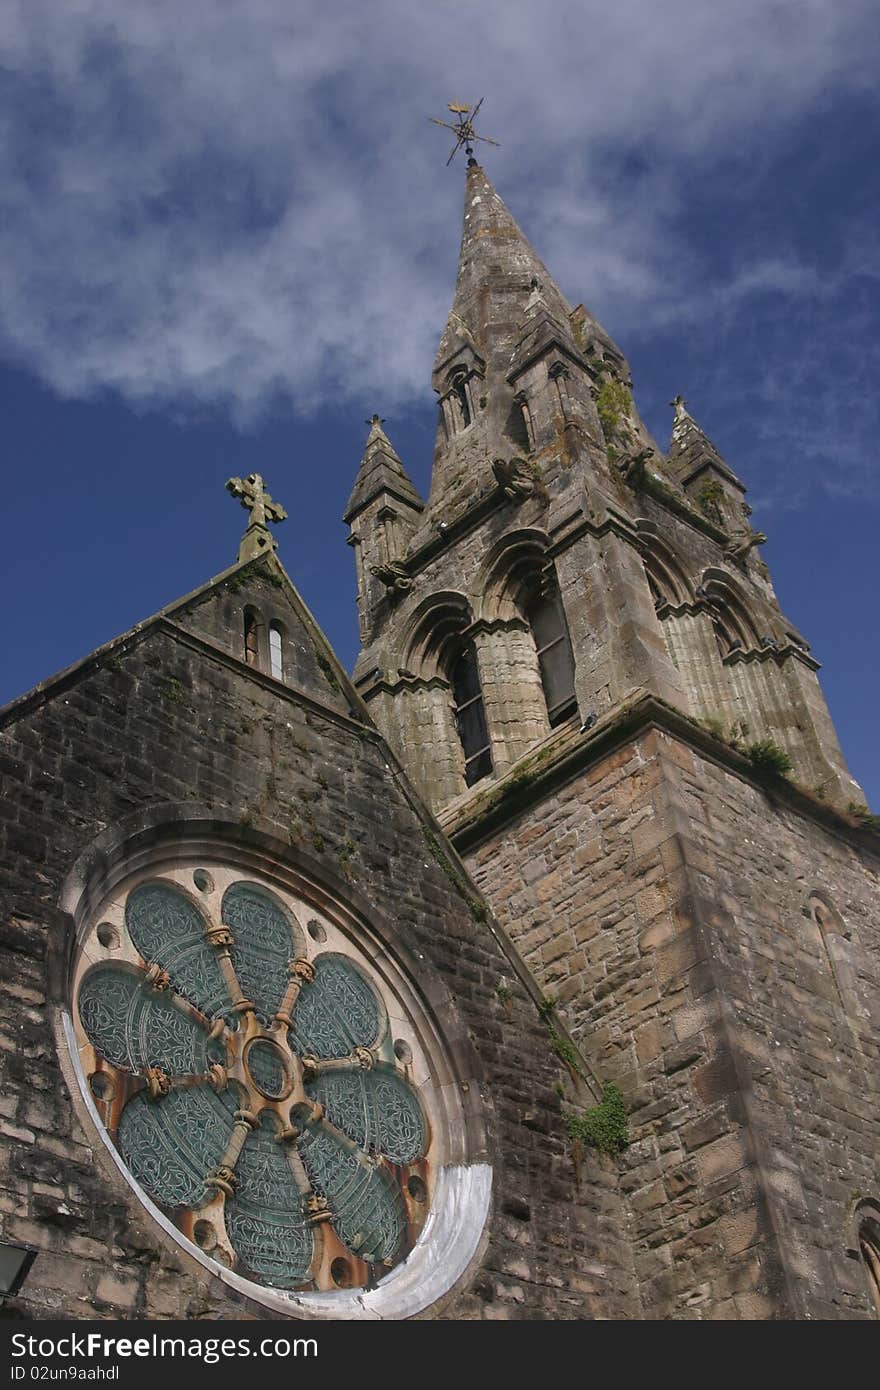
pixel 866 1245
pixel 454 1233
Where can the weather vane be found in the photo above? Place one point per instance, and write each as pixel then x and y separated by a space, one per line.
pixel 463 130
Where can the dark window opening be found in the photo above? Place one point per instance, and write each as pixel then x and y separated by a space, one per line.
pixel 519 424
pixel 470 716
pixel 869 1249
pixel 459 387
pixel 251 641
pixel 555 657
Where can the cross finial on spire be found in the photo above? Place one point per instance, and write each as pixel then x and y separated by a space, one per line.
pixel 463 130
pixel 679 405
pixel 253 496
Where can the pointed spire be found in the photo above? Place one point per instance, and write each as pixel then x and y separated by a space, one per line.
pixel 381 470
pixel 691 450
pixel 496 270
pixel 515 370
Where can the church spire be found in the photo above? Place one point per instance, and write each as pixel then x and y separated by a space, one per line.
pixel 497 269
pixel 382 514
pixel 697 465
pixel 381 470
pixel 516 367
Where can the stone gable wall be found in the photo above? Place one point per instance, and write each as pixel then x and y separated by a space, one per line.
pixel 167 723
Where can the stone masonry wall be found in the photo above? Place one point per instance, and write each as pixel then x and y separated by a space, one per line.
pixel 163 721
pixel 663 901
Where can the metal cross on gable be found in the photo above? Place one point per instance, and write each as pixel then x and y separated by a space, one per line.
pixel 251 492
pixel 463 130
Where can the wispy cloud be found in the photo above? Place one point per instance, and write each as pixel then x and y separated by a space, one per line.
pixel 216 205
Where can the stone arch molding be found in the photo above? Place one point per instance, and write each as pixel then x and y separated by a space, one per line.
pixel 510 568
pixel 837 948
pixel 159 1052
pixel 433 630
pixel 732 612
pixel 667 574
pixel 864 1244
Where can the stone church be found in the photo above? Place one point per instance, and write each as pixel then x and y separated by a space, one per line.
pixel 532 972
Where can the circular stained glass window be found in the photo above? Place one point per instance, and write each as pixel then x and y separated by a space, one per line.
pixel 262 1081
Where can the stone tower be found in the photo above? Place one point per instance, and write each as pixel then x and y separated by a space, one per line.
pixel 576 650
pixel 315 988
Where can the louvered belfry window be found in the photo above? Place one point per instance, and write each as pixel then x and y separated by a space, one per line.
pixel 555 658
pixel 470 715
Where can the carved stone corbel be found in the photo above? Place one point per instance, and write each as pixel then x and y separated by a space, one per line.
pixel 393 575
pixel 633 467
pixel 516 478
pixel 739 548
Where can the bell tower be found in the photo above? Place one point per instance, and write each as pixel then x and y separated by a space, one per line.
pixel 562 565
pixel 577 653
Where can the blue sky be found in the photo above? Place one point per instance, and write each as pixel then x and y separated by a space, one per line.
pixel 227 236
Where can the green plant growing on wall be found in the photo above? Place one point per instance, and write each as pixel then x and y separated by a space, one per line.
pixel 768 758
pixel 863 815
pixel 329 673
pixel 613 404
pixel 174 690
pixel 504 992
pixel 603 1126
pixel 709 499
pixel 345 855
pixel 563 1047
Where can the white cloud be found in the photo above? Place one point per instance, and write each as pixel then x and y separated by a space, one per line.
pixel 212 204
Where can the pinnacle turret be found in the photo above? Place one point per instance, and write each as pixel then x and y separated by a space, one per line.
pixel 381 470
pixel 696 464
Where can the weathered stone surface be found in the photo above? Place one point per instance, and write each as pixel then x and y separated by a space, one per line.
pixel 753 1084
pixel 296 770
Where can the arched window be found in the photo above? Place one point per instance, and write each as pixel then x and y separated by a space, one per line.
pixel 301 1157
pixel 276 666
pixel 831 938
pixel 251 638
pixel 470 716
pixel 460 392
pixel 868 1217
pixel 547 620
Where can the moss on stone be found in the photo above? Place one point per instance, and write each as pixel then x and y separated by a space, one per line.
pixel 328 672
pixel 613 403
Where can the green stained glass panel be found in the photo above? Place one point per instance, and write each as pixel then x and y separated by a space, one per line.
pixel 368 1212
pixel 166 927
pixel 131 1026
pixel 265 1220
pixel 263 944
pixel 172 1144
pixel 375 1109
pixel 338 1011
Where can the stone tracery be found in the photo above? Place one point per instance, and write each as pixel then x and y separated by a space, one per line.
pixel 253 1093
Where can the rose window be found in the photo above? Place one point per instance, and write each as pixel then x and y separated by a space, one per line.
pixel 259 1077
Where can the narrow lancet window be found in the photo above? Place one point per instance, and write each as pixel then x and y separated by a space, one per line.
pixel 251 639
pixel 869 1249
pixel 470 716
pixel 460 390
pixel 276 666
pixel 555 658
